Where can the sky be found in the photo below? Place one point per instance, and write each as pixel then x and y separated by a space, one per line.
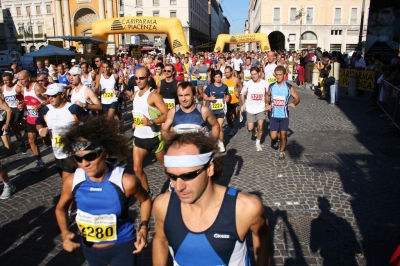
pixel 236 12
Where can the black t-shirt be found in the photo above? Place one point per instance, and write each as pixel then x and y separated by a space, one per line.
pixel 132 83
pixel 168 90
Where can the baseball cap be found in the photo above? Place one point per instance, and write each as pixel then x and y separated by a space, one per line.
pixel 75 71
pixel 73 60
pixel 54 88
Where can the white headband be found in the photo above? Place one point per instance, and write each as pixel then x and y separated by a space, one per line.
pixel 188 160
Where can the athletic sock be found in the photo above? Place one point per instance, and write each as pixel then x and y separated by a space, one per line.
pixel 257 141
pixel 6 184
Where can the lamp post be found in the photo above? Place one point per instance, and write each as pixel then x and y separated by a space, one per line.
pixel 300 15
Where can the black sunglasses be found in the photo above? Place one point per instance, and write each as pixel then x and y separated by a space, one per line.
pixel 169 71
pixel 141 78
pixel 187 176
pixel 91 156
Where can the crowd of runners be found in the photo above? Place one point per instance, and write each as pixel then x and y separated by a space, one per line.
pixel 180 105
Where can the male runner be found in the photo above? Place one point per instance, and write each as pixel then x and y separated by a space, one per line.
pixel 277 100
pixel 269 68
pixel 254 104
pixel 237 64
pixel 34 100
pixel 87 78
pixel 188 116
pixel 167 87
pixel 233 84
pixel 200 222
pixel 149 112
pixel 200 71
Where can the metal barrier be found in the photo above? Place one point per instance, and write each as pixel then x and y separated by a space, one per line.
pixel 389 102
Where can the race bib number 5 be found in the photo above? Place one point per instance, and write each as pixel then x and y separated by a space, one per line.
pixel 97 228
pixel 170 103
pixel 217 105
pixel 256 97
pixel 137 118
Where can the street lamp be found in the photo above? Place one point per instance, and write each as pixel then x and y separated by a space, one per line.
pixel 300 15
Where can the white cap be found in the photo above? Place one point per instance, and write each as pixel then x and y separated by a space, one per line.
pixel 73 60
pixel 75 71
pixel 54 88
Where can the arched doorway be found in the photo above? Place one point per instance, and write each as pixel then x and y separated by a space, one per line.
pixel 309 38
pixel 32 48
pixel 276 40
pixel 42 46
pixel 83 19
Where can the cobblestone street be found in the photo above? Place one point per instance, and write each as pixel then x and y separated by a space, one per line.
pixel 333 201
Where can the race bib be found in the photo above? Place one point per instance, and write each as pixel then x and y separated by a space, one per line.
pixel 193 77
pixel 32 113
pixel 137 118
pixel 247 78
pixel 256 97
pixel 203 76
pixel 279 101
pixel 271 80
pixel 217 105
pixel 108 94
pixel 90 86
pixel 97 228
pixel 57 141
pixel 11 100
pixel 231 90
pixel 170 103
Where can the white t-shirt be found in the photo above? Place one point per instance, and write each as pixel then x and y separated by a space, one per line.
pixel 236 63
pixel 255 96
pixel 269 73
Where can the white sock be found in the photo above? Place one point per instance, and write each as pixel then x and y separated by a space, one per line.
pixel 257 141
pixel 6 184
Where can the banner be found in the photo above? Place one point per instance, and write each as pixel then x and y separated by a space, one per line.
pixel 365 78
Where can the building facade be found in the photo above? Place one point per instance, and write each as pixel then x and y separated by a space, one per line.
pixel 291 25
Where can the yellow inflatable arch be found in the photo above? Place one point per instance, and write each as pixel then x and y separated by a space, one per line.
pixel 240 38
pixel 170 26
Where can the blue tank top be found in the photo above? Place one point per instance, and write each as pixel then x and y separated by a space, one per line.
pixel 218 245
pixel 191 76
pixel 63 79
pixel 192 118
pixel 104 199
pixel 279 99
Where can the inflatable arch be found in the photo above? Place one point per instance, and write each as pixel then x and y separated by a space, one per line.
pixel 170 26
pixel 240 38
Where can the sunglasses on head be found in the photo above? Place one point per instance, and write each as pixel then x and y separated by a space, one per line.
pixel 187 176
pixel 90 156
pixel 141 78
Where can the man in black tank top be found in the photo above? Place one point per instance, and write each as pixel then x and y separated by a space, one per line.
pixel 168 86
pixel 226 214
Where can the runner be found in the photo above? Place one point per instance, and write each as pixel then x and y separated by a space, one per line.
pixel 34 100
pixel 108 83
pixel 62 76
pixel 255 91
pixel 82 95
pixel 168 86
pixel 234 88
pixel 237 65
pixel 44 80
pixel 9 188
pixel 186 68
pixel 98 61
pixel 200 71
pixel 247 70
pixel 189 116
pixel 269 68
pixel 149 112
pixel 179 70
pixel 102 193
pixel 87 78
pixel 5 118
pixel 202 223
pixel 277 100
pixel 217 93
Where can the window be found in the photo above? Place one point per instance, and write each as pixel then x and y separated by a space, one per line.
pixel 48 9
pixel 293 12
pixel 40 29
pixel 18 11
pixel 139 3
pixel 336 32
pixel 172 2
pixel 28 10
pixel 338 15
pixel 156 2
pixel 156 13
pixel 292 37
pixel 353 16
pixel 172 14
pixel 277 15
pixel 310 15
pixel 309 36
pixel 139 14
pixel 291 47
pixel 38 10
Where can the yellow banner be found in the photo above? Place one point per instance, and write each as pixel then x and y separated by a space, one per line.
pixel 365 79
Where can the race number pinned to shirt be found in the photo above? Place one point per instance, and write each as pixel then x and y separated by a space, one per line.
pixel 193 77
pixel 170 103
pixel 97 228
pixel 108 94
pixel 137 118
pixel 256 97
pixel 218 104
pixel 203 76
pixel 247 78
pixel 278 101
pixel 271 80
pixel 31 112
pixel 231 91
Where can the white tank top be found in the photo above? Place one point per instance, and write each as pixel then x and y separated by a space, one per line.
pixel 10 97
pixel 246 74
pixel 88 82
pixel 78 96
pixel 140 109
pixel 108 89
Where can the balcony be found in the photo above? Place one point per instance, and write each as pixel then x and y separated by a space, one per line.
pixel 37 36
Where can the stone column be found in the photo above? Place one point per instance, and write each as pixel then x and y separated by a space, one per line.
pixel 111 37
pixel 67 18
pixel 101 9
pixel 60 31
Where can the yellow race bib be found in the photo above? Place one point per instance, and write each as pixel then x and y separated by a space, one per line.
pixel 193 77
pixel 247 78
pixel 271 80
pixel 137 118
pixel 203 76
pixel 170 103
pixel 217 105
pixel 231 90
pixel 57 141
pixel 108 94
pixel 97 228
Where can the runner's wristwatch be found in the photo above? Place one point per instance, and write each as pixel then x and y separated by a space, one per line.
pixel 145 224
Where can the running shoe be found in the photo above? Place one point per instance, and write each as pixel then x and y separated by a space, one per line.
pixel 258 146
pixel 39 167
pixel 221 147
pixel 282 155
pixel 274 144
pixel 7 191
pixel 23 148
pixel 232 133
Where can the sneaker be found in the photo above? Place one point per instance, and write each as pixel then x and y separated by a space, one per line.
pixel 221 147
pixel 23 148
pixel 232 133
pixel 170 187
pixel 7 191
pixel 274 144
pixel 258 146
pixel 240 117
pixel 39 167
pixel 282 155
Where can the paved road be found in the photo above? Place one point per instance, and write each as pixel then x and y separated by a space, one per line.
pixel 333 201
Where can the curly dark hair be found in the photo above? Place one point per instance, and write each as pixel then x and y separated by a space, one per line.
pixel 100 131
pixel 204 145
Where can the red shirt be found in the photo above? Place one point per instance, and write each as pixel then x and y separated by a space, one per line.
pixel 179 68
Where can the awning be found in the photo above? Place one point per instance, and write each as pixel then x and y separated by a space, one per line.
pixel 82 39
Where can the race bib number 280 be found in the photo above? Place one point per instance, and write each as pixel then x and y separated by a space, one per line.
pixel 97 228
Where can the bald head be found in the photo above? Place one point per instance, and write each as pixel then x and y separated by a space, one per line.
pixel 23 74
pixel 271 57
